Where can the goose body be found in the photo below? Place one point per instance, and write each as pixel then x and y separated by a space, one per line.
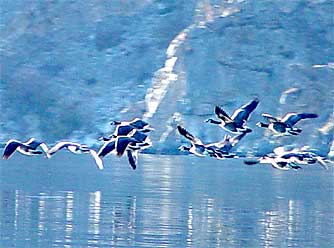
pixel 237 122
pixel 219 150
pixel 118 146
pixel 230 142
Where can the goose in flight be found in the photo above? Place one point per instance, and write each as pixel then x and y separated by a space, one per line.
pixel 283 159
pixel 237 122
pixel 276 162
pixel 217 150
pixel 119 145
pixel 301 156
pixel 285 125
pixel 228 143
pixel 28 148
pixel 76 148
pixel 197 147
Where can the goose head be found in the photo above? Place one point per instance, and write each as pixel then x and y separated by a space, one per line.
pixel 184 148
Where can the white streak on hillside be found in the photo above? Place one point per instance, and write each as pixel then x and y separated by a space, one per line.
pixel 164 76
pixel 204 13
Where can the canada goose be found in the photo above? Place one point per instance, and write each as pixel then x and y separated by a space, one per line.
pixel 76 148
pixel 119 145
pixel 199 149
pixel 236 123
pixel 285 125
pixel 301 156
pixel 275 161
pixel 28 148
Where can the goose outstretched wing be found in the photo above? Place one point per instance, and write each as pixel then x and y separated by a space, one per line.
pixel 189 136
pixel 291 119
pixel 124 130
pixel 139 123
pixel 241 115
pixel 10 148
pixel 236 139
pixel 98 160
pixel 61 145
pixel 269 117
pixel 221 114
pixel 133 158
pixel 107 148
pixel 122 144
pixel 139 136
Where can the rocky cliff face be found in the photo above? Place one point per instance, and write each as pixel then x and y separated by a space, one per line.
pixel 69 67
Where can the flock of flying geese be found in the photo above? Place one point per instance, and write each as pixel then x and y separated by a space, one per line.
pixel 132 137
pixel 128 137
pixel 281 158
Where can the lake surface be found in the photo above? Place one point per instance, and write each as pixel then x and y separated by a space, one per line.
pixel 169 201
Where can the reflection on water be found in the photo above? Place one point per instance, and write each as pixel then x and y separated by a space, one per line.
pixel 168 202
pixel 68 218
pixel 94 217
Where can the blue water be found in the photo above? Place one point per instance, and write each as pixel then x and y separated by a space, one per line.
pixel 169 201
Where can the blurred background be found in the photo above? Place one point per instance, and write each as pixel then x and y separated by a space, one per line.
pixel 69 67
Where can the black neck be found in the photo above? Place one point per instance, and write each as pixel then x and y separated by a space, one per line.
pixel 264 125
pixel 214 121
pixel 184 148
pixel 115 123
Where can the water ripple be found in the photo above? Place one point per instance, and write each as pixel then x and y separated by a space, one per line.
pixel 177 204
